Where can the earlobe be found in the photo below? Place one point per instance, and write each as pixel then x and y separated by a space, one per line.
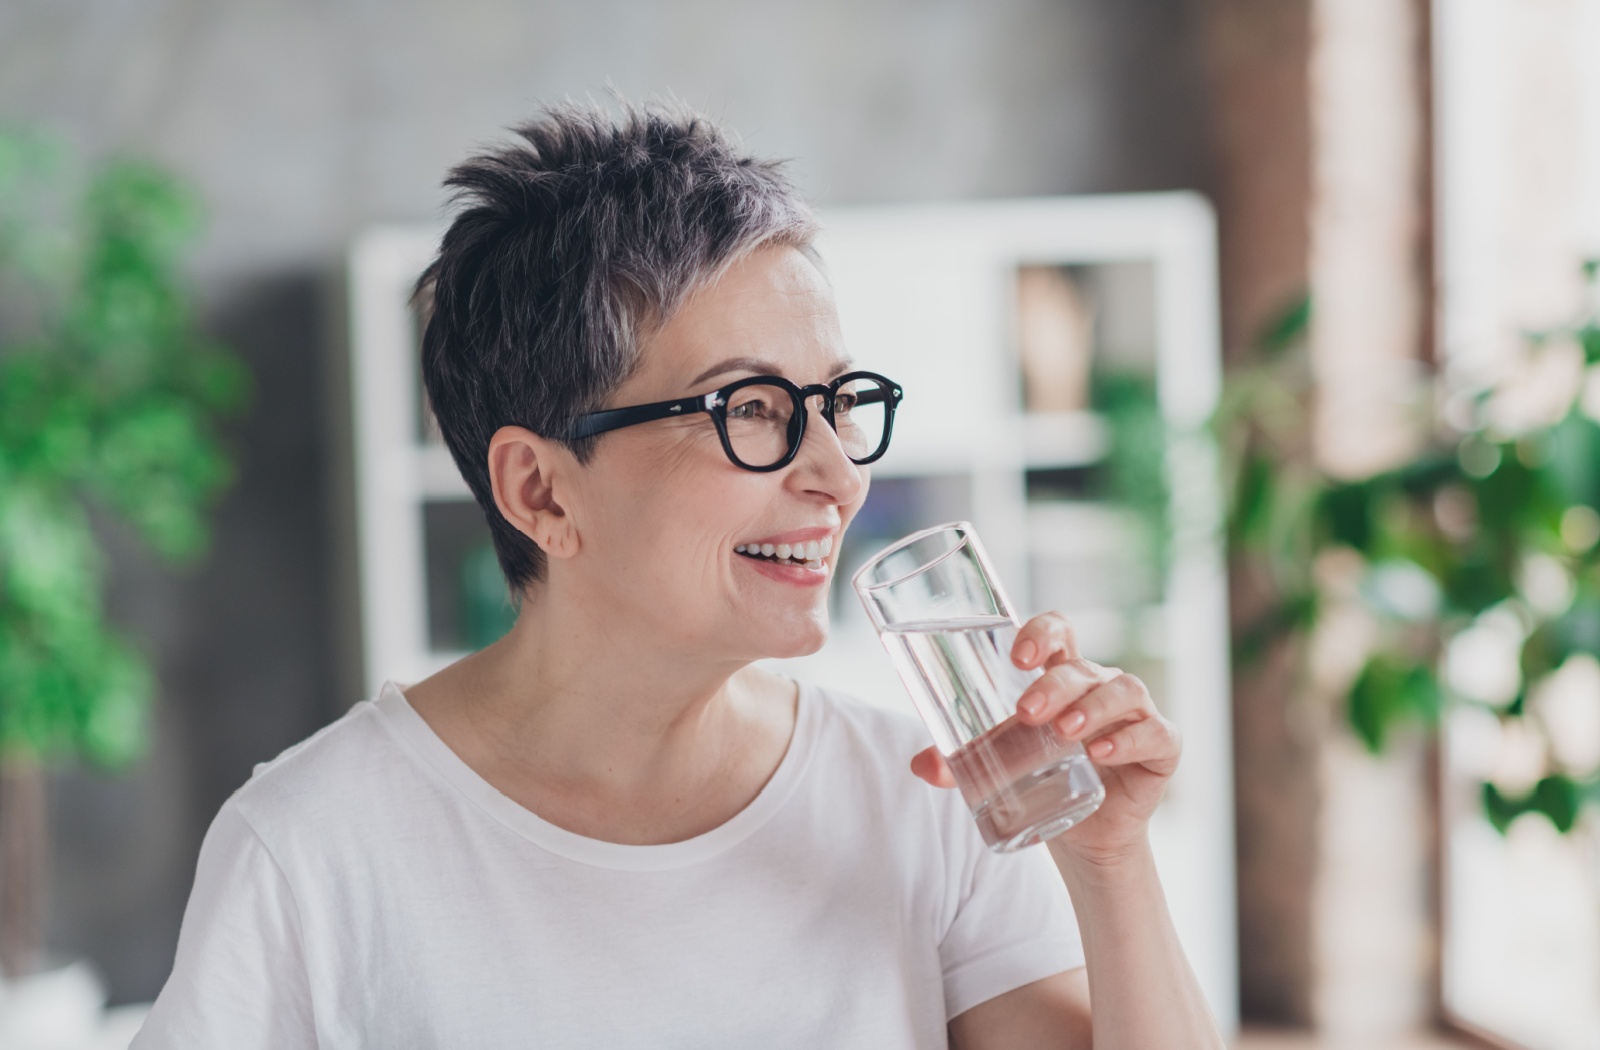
pixel 525 470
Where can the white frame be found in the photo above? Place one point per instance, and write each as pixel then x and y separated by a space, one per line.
pixel 955 264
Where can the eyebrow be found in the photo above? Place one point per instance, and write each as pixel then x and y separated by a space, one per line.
pixel 757 366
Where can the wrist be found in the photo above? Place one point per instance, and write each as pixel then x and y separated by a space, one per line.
pixel 1103 866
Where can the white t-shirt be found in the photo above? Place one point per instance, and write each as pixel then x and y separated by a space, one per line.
pixel 368 889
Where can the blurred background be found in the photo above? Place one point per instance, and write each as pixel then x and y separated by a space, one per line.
pixel 1282 310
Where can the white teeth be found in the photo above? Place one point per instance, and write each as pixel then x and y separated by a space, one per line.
pixel 811 552
pixel 814 564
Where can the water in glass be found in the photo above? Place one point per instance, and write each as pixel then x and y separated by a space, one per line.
pixel 1024 783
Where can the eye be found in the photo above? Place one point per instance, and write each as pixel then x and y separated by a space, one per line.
pixel 844 401
pixel 752 407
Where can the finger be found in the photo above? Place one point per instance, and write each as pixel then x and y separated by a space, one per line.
pixel 929 765
pixel 1151 742
pixel 1045 638
pixel 1119 699
pixel 1058 688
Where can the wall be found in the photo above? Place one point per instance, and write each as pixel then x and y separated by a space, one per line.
pixel 302 121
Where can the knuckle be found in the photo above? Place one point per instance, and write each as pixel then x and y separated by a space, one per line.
pixel 1133 691
pixel 1059 626
pixel 1097 700
pixel 1055 686
pixel 1126 693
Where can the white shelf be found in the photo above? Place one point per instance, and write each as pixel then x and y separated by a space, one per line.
pixel 1074 528
pixel 1063 439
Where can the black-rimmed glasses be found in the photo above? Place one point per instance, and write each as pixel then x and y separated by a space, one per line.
pixel 762 419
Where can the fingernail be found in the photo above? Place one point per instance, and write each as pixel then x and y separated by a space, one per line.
pixel 1026 652
pixel 1101 748
pixel 1032 706
pixel 1074 722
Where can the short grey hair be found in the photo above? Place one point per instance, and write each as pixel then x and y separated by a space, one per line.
pixel 568 249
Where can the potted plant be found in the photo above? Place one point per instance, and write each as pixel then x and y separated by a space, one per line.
pixel 109 404
pixel 1487 536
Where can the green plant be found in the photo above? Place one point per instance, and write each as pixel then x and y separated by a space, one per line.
pixel 108 403
pixel 1135 472
pixel 1489 530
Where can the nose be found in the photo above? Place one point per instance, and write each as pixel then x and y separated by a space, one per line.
pixel 821 464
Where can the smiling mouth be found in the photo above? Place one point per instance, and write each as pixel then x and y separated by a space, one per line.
pixel 810 554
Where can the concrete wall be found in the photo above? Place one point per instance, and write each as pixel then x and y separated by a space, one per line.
pixel 302 121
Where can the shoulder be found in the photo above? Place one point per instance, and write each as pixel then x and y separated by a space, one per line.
pixel 865 749
pixel 345 768
pixel 849 721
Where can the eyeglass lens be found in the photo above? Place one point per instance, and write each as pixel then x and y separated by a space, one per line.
pixel 759 420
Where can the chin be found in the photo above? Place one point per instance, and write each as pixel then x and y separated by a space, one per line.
pixel 802 640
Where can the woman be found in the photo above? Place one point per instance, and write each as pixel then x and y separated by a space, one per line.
pixel 610 828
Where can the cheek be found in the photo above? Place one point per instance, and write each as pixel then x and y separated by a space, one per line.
pixel 678 509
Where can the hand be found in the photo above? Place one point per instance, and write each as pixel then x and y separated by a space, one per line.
pixel 1134 748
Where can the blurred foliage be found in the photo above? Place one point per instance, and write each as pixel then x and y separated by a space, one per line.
pixel 487 611
pixel 108 399
pixel 1490 527
pixel 1135 470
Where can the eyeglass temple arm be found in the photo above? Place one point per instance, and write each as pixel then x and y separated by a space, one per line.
pixel 615 418
pixel 873 397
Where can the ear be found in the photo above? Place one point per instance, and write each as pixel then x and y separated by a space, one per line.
pixel 527 472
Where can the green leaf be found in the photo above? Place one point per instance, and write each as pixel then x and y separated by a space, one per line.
pixel 1296 612
pixel 1477 578
pixel 1571 459
pixel 1589 339
pixel 1500 810
pixel 136 208
pixel 220 381
pixel 1252 506
pixel 1347 512
pixel 1286 329
pixel 116 725
pixel 49 563
pixel 1579 627
pixel 1557 797
pixel 1390 691
pixel 1546 649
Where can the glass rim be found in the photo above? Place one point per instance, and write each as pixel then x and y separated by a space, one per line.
pixel 963 527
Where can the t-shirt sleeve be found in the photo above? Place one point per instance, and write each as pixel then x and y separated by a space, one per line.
pixel 239 979
pixel 1013 922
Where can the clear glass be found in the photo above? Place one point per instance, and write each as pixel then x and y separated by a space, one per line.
pixel 948 627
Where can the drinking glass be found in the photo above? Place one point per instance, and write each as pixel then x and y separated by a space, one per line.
pixel 939 610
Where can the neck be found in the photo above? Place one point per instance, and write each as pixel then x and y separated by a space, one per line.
pixel 576 698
